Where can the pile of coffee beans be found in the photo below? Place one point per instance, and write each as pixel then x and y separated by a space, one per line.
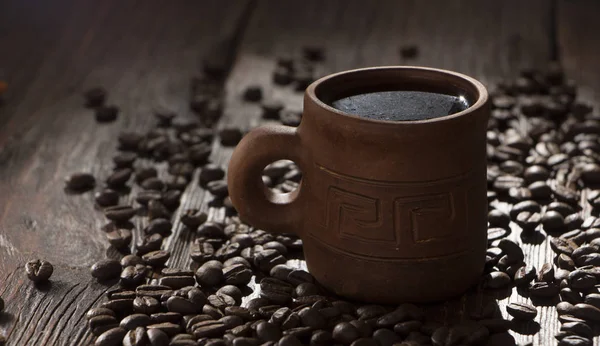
pixel 543 177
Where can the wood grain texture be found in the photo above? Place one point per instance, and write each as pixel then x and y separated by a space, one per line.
pixel 144 53
pixel 485 39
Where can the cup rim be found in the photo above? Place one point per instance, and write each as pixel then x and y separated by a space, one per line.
pixel 482 97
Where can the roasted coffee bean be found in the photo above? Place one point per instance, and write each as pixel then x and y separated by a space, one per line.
pixel 267 259
pixel 543 289
pixel 218 188
pixel 135 320
pixel 524 275
pixel 124 159
pixel 94 97
pixel 156 258
pixel 105 114
pixel 345 333
pixel 405 328
pixel 192 218
pixel 80 182
pixel 312 318
pixel 496 280
pixel 162 317
pixel 365 342
pixel 253 93
pixel 561 275
pixel 385 337
pixel 504 183
pixel 271 109
pixel 167 327
pixel 546 273
pixel 38 270
pixel 588 259
pixel 568 295
pixel 202 251
pixel 289 340
pixel 497 218
pixel 561 245
pixel 119 213
pixel 536 173
pixel 290 117
pixel 585 311
pixel 593 299
pixel 157 337
pixel 528 221
pixel 577 328
pixel 367 312
pixel 143 197
pixel 211 172
pixel 146 305
pixel 306 289
pixel 98 312
pixel 211 230
pixel 153 183
pixel 231 291
pixel 209 276
pixel 160 226
pixel 182 306
pixel 157 210
pixel 552 220
pixel 171 199
pixel 220 301
pixel 208 329
pixel 111 337
pixel 496 325
pixel 133 275
pixel 106 198
pixel 101 321
pixel 230 136
pixel 521 311
pixel 530 206
pixel 119 237
pixel 106 269
pixel 119 178
pixel 177 281
pixel 136 337
pixel 581 280
pixel 520 193
pixel 298 276
pixel 145 173
pixel 151 242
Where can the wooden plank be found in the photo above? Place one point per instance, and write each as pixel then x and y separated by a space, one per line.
pixel 578 38
pixel 489 40
pixel 144 53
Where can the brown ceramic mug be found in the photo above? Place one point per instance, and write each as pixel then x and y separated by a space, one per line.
pixel 388 211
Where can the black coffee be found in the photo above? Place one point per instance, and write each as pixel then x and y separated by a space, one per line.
pixel 401 105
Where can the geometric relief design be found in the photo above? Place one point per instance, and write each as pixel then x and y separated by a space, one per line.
pixel 426 217
pixel 352 215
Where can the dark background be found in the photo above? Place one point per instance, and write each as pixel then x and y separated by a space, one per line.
pixel 145 53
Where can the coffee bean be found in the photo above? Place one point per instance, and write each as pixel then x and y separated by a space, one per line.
pixel 267 259
pixel 160 226
pixel 543 289
pixel 209 276
pixel 151 242
pixel 146 305
pixel 157 337
pixel 218 188
pixel 106 269
pixel 111 337
pixel 552 220
pixel 230 136
pixel 105 114
pixel 167 327
pixel 156 258
pixel 581 280
pixel 497 218
pixel 119 213
pixel 496 280
pixel 94 97
pixel 136 337
pixel 564 246
pixel 106 321
pixel 208 329
pixel 524 275
pixel 578 328
pixel 192 218
pixel 134 321
pixel 162 317
pixel 290 117
pixel 504 183
pixel 546 273
pixel 171 199
pixel 528 221
pixel 177 281
pixel 253 93
pixel 157 210
pixel 530 206
pixel 153 183
pixel 521 311
pixel 496 325
pixel 181 305
pixel 575 340
pixel 106 198
pixel 585 311
pixel 98 312
pixel 133 275
pixel 385 337
pixel 231 291
pixel 345 332
pixel 38 271
pixel 80 182
pixel 119 237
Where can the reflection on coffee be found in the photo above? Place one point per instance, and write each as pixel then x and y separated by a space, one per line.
pixel 400 105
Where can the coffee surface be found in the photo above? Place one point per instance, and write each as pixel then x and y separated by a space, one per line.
pixel 401 105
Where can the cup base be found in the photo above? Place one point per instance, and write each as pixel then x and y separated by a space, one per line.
pixel 393 282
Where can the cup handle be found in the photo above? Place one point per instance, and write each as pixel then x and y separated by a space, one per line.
pixel 257 204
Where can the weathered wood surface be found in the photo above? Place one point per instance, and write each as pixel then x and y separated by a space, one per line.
pixel 144 53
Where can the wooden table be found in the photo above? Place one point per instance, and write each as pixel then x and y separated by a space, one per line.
pixel 145 52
